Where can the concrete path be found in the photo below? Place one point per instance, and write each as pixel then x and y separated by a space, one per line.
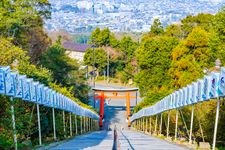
pixel 99 140
pixel 128 140
pixel 138 141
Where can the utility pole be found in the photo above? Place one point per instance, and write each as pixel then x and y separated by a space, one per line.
pixel 107 65
pixel 93 69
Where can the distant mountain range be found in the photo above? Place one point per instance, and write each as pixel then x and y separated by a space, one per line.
pixel 77 16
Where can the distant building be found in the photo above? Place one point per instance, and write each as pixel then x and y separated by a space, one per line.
pixel 75 50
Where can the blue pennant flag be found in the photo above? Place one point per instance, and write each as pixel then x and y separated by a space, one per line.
pixel 19 86
pixel 176 98
pixel 61 101
pixel 214 85
pixel 206 87
pixel 44 95
pixel 186 94
pixel 221 83
pixel 50 98
pixel 47 96
pixel 57 100
pixel 10 83
pixel 39 93
pixel 53 98
pixel 194 92
pixel 26 89
pixel 183 96
pixel 180 98
pixel 200 90
pixel 3 71
pixel 33 91
pixel 170 101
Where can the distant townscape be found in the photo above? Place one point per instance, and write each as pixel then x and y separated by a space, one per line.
pixel 78 16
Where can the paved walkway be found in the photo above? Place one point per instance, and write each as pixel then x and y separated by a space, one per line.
pixel 99 140
pixel 129 140
pixel 138 141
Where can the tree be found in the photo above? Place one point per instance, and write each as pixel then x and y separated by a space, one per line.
pixel 128 47
pixel 65 70
pixel 96 57
pixel 202 20
pixel 153 58
pixel 190 57
pixel 156 27
pixel 103 37
pixel 9 53
pixel 56 60
pixel 22 21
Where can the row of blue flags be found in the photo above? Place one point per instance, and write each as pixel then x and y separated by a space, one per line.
pixel 211 86
pixel 19 86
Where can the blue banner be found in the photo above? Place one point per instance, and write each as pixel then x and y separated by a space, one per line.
pixel 194 92
pixel 63 102
pixel 200 90
pixel 53 99
pixel 206 89
pixel 39 93
pixel 26 89
pixel 214 84
pixel 33 87
pixel 3 70
pixel 44 95
pixel 221 83
pixel 9 83
pixel 185 95
pixel 176 98
pixel 57 100
pixel 46 101
pixel 187 100
pixel 180 97
pixel 190 100
pixel 50 98
pixel 19 86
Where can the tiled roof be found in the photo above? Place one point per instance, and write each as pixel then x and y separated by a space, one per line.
pixel 75 46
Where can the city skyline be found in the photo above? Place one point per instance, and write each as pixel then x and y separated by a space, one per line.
pixel 123 15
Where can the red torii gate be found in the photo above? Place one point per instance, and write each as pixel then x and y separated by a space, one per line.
pixel 104 93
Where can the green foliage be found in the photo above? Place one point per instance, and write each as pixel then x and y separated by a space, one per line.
pixel 81 38
pixel 96 57
pixel 202 20
pixel 56 60
pixel 10 53
pixel 156 27
pixel 190 57
pixel 153 57
pixel 22 21
pixel 174 30
pixel 103 37
pixel 128 47
pixel 65 71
